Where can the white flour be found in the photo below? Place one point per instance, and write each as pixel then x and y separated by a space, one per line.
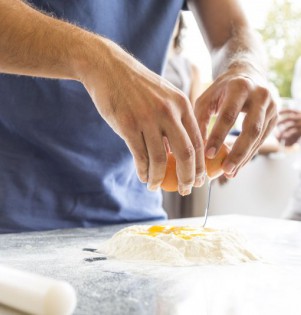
pixel 211 247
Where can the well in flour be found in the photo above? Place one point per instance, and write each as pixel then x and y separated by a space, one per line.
pixel 178 245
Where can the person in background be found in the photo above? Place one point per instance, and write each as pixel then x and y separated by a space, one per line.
pixel 84 111
pixel 290 126
pixel 183 74
pixel 179 70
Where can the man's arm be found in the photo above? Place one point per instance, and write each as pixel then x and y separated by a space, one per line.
pixel 139 105
pixel 240 84
pixel 35 44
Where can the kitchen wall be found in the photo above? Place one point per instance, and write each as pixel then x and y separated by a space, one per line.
pixel 262 188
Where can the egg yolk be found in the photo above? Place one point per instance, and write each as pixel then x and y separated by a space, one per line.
pixel 183 232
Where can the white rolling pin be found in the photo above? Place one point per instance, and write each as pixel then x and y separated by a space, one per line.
pixel 35 294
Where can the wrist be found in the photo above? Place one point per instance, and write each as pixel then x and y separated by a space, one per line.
pixel 88 53
pixel 246 66
pixel 245 70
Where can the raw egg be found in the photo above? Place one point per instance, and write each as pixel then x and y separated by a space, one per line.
pixel 213 168
pixel 184 232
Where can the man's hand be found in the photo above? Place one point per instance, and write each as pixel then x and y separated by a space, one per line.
pixel 144 109
pixel 141 107
pixel 239 70
pixel 234 92
pixel 290 126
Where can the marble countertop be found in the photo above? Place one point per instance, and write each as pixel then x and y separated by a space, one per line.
pixel 106 286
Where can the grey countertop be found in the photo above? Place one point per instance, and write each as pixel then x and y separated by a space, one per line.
pixel 116 287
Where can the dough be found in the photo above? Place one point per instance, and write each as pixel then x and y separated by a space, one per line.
pixel 178 245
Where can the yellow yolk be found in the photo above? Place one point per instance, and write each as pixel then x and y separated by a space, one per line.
pixel 183 232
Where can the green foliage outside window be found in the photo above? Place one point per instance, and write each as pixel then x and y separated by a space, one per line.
pixel 282 37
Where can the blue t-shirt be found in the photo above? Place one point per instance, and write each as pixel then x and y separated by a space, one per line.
pixel 61 165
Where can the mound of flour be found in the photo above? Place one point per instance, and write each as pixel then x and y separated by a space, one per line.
pixel 211 247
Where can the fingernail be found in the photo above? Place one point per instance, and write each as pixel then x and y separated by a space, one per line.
pixel 229 167
pixel 210 153
pixel 185 190
pixel 143 179
pixel 152 187
pixel 199 181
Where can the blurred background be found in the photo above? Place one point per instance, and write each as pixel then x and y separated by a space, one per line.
pixel 278 22
pixel 269 185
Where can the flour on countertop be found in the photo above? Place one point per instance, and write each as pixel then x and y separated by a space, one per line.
pixel 208 247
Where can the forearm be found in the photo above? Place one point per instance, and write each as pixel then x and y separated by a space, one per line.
pixel 242 52
pixel 230 40
pixel 34 44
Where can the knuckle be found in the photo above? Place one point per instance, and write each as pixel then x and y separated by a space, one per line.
pixel 159 159
pixel 238 157
pixel 197 141
pixel 127 126
pixel 166 109
pixel 212 107
pixel 255 129
pixel 241 83
pixel 215 139
pixel 141 159
pixel 182 102
pixel 188 153
pixel 128 121
pixel 147 118
pixel 198 146
pixel 263 93
pixel 229 117
pixel 200 169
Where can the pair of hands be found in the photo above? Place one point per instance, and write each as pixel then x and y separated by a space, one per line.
pixel 290 126
pixel 151 115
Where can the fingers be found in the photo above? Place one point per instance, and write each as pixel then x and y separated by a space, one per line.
pixel 270 126
pixel 288 126
pixel 270 123
pixel 191 126
pixel 184 153
pixel 229 96
pixel 180 135
pixel 185 141
pixel 231 106
pixel 292 139
pixel 294 119
pixel 166 145
pixel 157 157
pixel 149 151
pixel 261 117
pixel 136 144
pixel 204 109
pixel 291 136
pixel 252 131
pixel 289 112
pixel 288 129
